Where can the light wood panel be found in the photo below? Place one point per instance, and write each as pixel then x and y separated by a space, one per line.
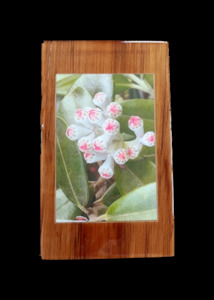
pixel 107 239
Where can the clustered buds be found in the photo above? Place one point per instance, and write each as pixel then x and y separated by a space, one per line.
pixel 97 133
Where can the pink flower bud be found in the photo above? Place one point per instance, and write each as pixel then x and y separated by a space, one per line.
pixel 101 100
pixel 81 116
pixel 102 142
pixel 75 132
pixel 86 143
pixel 114 109
pixel 133 151
pixel 95 116
pixel 81 218
pixel 111 126
pixel 106 170
pixel 120 156
pixel 92 157
pixel 135 123
pixel 148 139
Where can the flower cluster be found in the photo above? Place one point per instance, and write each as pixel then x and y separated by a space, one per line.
pixel 98 134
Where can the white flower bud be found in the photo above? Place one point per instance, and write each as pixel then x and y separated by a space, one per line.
pixel 95 116
pixel 120 156
pixel 135 123
pixel 86 143
pixel 75 132
pixel 101 100
pixel 106 170
pixel 102 142
pixel 111 126
pixel 114 110
pixel 148 139
pixel 92 157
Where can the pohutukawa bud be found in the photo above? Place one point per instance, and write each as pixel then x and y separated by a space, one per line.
pixel 133 151
pixel 92 157
pixel 106 170
pixel 148 139
pixel 86 143
pixel 75 132
pixel 95 116
pixel 111 126
pixel 102 142
pixel 120 156
pixel 114 109
pixel 101 100
pixel 135 123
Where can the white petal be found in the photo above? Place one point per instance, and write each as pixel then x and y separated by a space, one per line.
pixel 135 123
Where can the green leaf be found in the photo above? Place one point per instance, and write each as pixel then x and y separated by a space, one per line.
pixel 149 79
pixel 135 173
pixel 140 204
pixel 95 83
pixel 64 82
pixel 65 209
pixel 78 98
pixel 143 108
pixel 70 167
pixel 121 83
pixel 111 195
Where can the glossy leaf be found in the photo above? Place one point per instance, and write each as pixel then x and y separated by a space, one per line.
pixel 140 204
pixel 70 167
pixel 65 209
pixel 134 174
pixel 143 108
pixel 78 98
pixel 121 83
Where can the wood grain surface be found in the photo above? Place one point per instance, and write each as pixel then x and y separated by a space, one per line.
pixel 106 239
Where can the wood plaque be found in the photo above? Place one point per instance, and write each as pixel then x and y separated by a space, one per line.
pixel 106 156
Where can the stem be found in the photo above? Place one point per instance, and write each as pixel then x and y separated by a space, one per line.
pixel 142 85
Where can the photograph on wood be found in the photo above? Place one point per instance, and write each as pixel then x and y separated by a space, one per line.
pixel 105 148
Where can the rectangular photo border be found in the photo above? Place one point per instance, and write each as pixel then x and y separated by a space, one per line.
pixel 93 240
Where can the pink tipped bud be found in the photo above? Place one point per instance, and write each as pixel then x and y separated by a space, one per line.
pixel 81 116
pixel 120 156
pixel 101 100
pixel 95 116
pixel 92 157
pixel 114 109
pixel 101 143
pixel 106 170
pixel 86 143
pixel 81 218
pixel 148 139
pixel 135 123
pixel 111 126
pixel 133 151
pixel 75 132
